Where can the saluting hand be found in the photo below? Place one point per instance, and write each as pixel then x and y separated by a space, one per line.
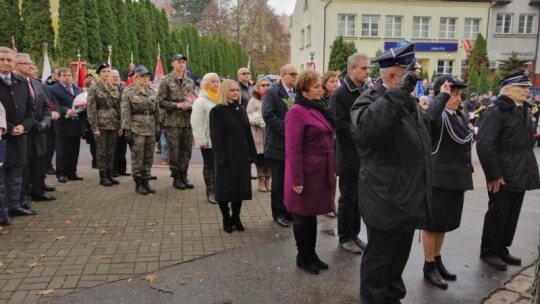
pixel 495 186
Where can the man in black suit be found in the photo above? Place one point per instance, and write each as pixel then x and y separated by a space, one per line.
pixel 68 128
pixel 37 135
pixel 276 103
pixel 16 99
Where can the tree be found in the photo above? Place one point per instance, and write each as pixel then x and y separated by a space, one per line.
pixel 483 80
pixel 132 24
pixel 71 31
pixel 473 83
pixel 188 11
pixel 494 84
pixel 376 68
pixel 143 26
pixel 340 52
pixel 37 28
pixel 122 49
pixel 107 28
pixel 478 58
pixel 10 22
pixel 433 76
pixel 511 65
pixel 93 35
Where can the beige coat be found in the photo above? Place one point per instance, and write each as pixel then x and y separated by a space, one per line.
pixel 254 111
pixel 200 120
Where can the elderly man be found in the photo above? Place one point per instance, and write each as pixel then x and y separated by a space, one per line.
pixel 394 143
pixel 505 149
pixel 246 86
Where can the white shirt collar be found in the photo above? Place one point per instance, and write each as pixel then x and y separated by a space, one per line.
pixel 4 75
pixel 287 88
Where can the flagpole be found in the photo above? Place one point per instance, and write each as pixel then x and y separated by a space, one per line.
pixel 109 61
pixel 76 76
pixel 46 69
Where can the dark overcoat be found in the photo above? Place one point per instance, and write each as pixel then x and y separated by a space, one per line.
pixel 67 127
pixel 234 151
pixel 505 145
pixel 19 107
pixel 273 112
pixel 37 140
pixel 393 139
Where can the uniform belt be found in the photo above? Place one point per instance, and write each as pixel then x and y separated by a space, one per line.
pixel 146 113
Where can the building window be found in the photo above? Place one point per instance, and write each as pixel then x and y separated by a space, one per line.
pixel 447 29
pixel 503 24
pixel 346 24
pixel 420 27
pixel 308 35
pixel 306 5
pixel 370 26
pixel 444 67
pixel 525 25
pixel 472 28
pixel 393 26
pixel 302 39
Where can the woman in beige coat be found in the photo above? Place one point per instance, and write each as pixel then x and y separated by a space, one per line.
pixel 254 111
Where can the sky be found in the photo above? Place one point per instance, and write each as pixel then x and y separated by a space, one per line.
pixel 286 6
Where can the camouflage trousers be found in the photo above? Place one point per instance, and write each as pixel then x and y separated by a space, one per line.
pixel 180 142
pixel 142 155
pixel 105 148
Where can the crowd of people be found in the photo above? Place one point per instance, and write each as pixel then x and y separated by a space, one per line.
pixel 400 162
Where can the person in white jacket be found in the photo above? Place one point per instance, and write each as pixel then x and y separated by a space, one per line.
pixel 201 130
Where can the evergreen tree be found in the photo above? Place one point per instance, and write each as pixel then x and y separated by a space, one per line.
pixel 433 76
pixel 339 54
pixel 71 31
pixel 132 26
pixel 188 11
pixel 473 84
pixel 93 33
pixel 122 50
pixel 37 28
pixel 166 48
pixel 107 28
pixel 511 65
pixel 143 29
pixel 10 22
pixel 376 68
pixel 483 80
pixel 494 84
pixel 478 58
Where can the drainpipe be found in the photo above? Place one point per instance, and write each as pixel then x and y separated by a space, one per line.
pixel 324 35
pixel 489 21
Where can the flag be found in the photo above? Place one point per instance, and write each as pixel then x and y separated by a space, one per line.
pixel 419 90
pixel 312 65
pixel 13 46
pixel 158 75
pixel 46 68
pixel 467 45
pixel 81 75
pixel 131 66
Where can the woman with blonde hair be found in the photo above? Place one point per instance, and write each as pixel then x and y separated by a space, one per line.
pixel 254 111
pixel 200 124
pixel 234 151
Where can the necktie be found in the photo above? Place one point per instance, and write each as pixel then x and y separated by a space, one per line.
pixel 32 93
pixel 7 81
pixel 70 89
pixel 291 93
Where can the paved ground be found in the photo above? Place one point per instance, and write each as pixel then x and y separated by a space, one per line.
pixel 94 235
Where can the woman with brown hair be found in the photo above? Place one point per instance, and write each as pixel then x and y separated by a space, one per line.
pixel 254 111
pixel 330 82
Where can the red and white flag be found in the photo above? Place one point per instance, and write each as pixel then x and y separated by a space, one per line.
pixel 158 75
pixel 467 45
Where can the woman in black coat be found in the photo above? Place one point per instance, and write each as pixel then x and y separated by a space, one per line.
pixel 234 151
pixel 451 173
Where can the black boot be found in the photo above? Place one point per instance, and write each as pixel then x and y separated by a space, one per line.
pixel 111 178
pixel 177 182
pixel 227 224
pixel 103 179
pixel 208 176
pixel 235 218
pixel 433 276
pixel 305 262
pixel 139 187
pixel 447 275
pixel 183 178
pixel 146 184
pixel 4 218
pixel 303 234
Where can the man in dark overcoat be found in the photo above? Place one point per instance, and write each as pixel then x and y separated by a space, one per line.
pixel 505 149
pixel 17 101
pixel 394 143
pixel 69 128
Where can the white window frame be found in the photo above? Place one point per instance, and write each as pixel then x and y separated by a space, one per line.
pixel 370 25
pixel 470 29
pixel 346 27
pixel 393 26
pixel 500 23
pixel 447 67
pixel 522 24
pixel 447 28
pixel 421 27
pixel 302 39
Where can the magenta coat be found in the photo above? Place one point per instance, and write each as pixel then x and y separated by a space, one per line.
pixel 309 162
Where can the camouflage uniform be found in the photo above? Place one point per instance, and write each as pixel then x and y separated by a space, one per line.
pixel 176 122
pixel 103 108
pixel 140 115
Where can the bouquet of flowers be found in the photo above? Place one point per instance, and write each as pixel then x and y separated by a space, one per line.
pixel 79 103
pixel 257 120
pixel 289 102
pixel 190 99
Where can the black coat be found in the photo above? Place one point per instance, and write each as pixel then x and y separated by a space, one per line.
pixel 347 160
pixel 37 140
pixel 273 112
pixel 505 145
pixel 451 162
pixel 234 151
pixel 393 139
pixel 66 127
pixel 19 107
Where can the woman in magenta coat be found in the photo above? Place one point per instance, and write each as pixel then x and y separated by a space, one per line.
pixel 309 167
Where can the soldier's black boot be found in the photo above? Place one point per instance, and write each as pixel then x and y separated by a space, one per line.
pixel 104 179
pixel 208 176
pixel 139 187
pixel 146 184
pixel 177 181
pixel 183 178
pixel 235 218
pixel 4 217
pixel 113 180
pixel 227 224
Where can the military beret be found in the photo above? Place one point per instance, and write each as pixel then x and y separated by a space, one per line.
pixel 399 56
pixel 178 57
pixel 102 66
pixel 520 78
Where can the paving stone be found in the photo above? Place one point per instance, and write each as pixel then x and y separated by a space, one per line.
pixel 502 296
pixel 520 284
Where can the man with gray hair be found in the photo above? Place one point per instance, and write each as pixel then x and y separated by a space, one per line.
pixel 348 163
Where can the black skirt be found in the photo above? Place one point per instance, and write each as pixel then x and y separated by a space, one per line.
pixel 447 207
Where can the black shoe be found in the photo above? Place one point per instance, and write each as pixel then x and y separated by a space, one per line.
pixel 75 178
pixel 113 180
pixel 177 181
pixel 185 180
pixel 305 262
pixel 21 212
pixel 50 171
pixel 4 218
pixel 62 179
pixel 115 174
pixel 282 222
pixel 359 243
pixel 44 197
pixel 26 205
pixel 433 276
pixel 48 188
pixel 227 225
pixel 125 174
pixel 494 261
pixel 320 264
pixel 104 179
pixel 235 220
pixel 139 187
pixel 152 177
pixel 147 185
pixel 447 275
pixel 510 259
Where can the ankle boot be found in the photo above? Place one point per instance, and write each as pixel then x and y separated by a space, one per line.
pixel 268 183
pixel 305 262
pixel 227 224
pixel 139 187
pixel 103 179
pixel 433 276
pixel 111 178
pixel 177 182
pixel 4 218
pixel 447 275
pixel 146 185
pixel 235 219
pixel 320 264
pixel 208 176
pixel 184 179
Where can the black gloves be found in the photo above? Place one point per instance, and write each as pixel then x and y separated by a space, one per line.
pixel 129 137
pixel 409 79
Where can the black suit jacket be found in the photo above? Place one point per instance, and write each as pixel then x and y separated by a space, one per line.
pixel 66 127
pixel 19 106
pixel 37 140
pixel 273 111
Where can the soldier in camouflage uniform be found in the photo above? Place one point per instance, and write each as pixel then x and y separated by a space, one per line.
pixel 103 107
pixel 140 116
pixel 176 107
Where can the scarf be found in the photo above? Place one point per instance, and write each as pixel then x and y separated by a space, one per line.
pixel 317 105
pixel 212 94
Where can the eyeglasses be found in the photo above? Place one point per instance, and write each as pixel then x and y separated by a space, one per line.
pixel 293 74
pixel 245 73
pixel 265 85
